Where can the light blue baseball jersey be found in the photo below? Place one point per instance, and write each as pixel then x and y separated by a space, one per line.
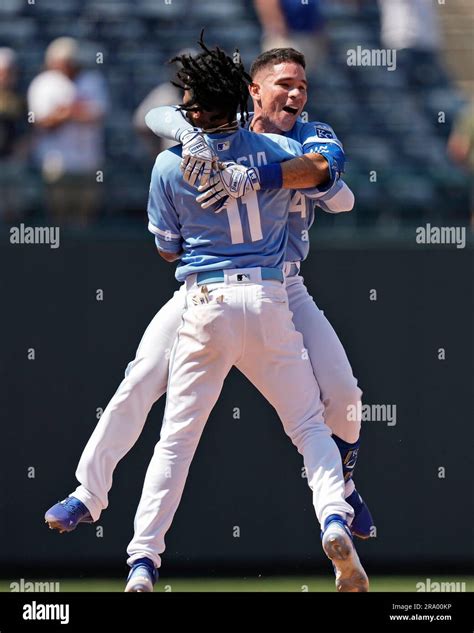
pixel 313 136
pixel 244 234
pixel 317 138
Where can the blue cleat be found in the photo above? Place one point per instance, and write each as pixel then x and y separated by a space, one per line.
pixel 338 547
pixel 67 514
pixel 142 576
pixel 362 524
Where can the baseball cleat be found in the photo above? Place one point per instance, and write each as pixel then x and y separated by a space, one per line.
pixel 338 546
pixel 67 514
pixel 362 523
pixel 142 576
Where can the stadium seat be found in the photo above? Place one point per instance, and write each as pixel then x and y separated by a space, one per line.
pixel 14 32
pixel 11 7
pixel 161 10
pixel 106 9
pixel 55 8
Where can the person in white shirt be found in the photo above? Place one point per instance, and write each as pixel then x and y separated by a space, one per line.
pixel 68 104
pixel 411 27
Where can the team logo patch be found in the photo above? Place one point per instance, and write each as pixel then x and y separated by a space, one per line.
pixel 323 132
pixel 221 147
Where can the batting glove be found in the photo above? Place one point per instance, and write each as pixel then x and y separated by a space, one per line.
pixel 232 180
pixel 197 158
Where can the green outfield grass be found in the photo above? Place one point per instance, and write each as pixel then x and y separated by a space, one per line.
pixel 269 583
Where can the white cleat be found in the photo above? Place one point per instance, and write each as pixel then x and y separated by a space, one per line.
pixel 338 546
pixel 139 581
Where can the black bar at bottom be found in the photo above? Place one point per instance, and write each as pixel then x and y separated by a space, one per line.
pixel 235 612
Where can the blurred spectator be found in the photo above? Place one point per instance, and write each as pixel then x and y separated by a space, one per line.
pixel 292 23
pixel 411 27
pixel 164 94
pixel 13 128
pixel 69 103
pixel 461 146
pixel 12 106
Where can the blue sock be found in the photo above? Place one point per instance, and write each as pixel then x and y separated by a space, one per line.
pixel 349 453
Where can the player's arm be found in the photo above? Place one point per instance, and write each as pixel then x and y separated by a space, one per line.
pixel 233 180
pixel 339 199
pixel 321 164
pixel 163 220
pixel 170 257
pixel 168 122
pixel 171 123
pixel 310 170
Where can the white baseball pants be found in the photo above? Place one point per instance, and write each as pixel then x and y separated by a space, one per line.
pixel 331 367
pixel 146 380
pixel 247 325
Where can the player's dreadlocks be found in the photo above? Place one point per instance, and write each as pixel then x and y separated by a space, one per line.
pixel 215 80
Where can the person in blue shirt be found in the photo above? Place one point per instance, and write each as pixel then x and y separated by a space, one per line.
pixel 279 93
pixel 296 23
pixel 256 230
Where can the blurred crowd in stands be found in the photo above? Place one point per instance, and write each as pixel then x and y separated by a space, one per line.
pixel 77 78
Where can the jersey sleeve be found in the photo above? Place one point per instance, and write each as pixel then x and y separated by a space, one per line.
pixel 163 220
pixel 313 193
pixel 278 148
pixel 293 147
pixel 320 138
pixel 167 122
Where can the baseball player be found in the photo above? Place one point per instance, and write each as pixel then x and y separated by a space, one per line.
pixel 146 376
pixel 236 313
pixel 279 94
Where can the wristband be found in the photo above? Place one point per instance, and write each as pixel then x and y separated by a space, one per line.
pixel 270 176
pixel 334 174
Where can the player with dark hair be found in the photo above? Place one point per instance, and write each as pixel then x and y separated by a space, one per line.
pixel 276 56
pixel 279 93
pixel 146 376
pixel 198 76
pixel 236 313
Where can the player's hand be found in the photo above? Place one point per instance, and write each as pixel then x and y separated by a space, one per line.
pixel 231 180
pixel 197 158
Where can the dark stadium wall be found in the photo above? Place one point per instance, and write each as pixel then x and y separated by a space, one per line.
pixel 246 503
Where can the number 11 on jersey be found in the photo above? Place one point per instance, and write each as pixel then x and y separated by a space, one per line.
pixel 250 202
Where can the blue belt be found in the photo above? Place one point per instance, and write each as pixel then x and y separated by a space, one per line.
pixel 216 276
